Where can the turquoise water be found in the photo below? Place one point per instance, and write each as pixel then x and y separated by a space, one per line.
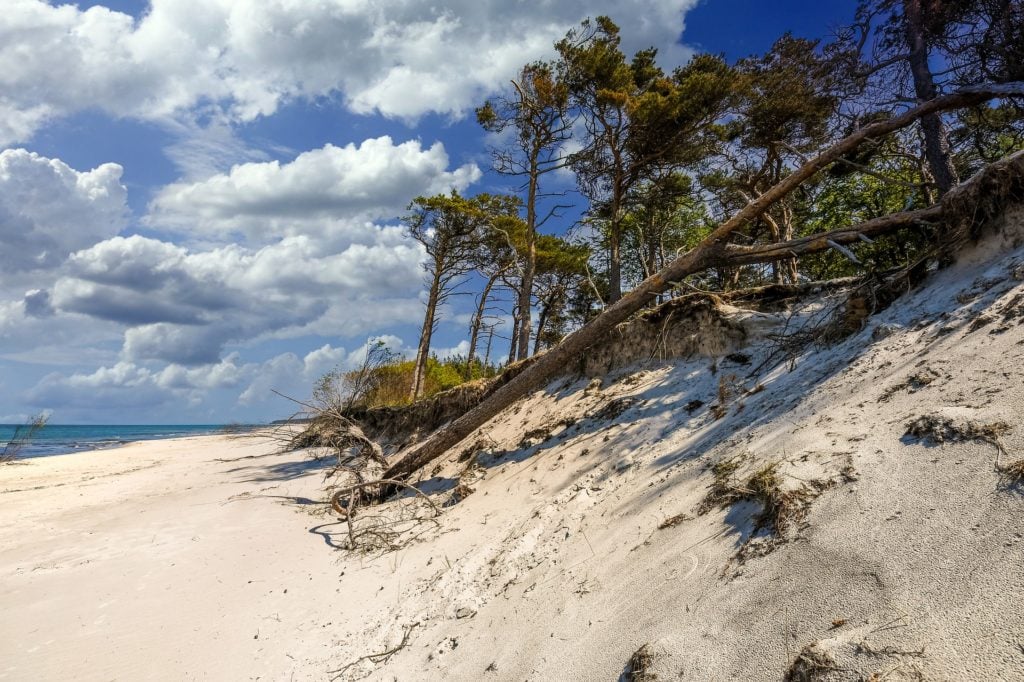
pixel 59 439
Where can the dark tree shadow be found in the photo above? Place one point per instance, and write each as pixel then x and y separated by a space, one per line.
pixel 283 471
pixel 328 536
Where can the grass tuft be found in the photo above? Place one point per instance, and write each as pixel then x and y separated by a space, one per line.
pixel 639 667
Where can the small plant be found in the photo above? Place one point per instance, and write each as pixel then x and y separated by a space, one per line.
pixel 780 508
pixel 728 388
pixel 723 490
pixel 639 667
pixel 1012 473
pixel 22 435
pixel 812 663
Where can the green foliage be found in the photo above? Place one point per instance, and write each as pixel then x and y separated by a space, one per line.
pixel 386 384
pixel 854 198
pixel 786 95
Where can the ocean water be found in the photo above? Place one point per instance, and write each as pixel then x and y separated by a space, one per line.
pixel 59 439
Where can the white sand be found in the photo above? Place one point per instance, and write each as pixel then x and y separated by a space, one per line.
pixel 157 561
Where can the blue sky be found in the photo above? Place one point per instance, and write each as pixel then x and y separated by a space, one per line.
pixel 198 198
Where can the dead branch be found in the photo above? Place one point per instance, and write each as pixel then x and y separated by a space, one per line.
pixel 336 505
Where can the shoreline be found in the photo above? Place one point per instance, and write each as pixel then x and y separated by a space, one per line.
pixel 92 439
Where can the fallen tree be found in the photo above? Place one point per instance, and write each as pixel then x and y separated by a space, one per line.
pixel 713 251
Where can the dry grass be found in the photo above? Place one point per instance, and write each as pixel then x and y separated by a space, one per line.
pixel 1013 473
pixel 639 667
pixel 461 492
pixel 810 664
pixel 728 388
pixel 936 429
pixel 673 521
pixel 781 509
pixel 723 490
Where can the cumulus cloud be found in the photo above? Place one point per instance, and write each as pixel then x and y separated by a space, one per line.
pixel 291 375
pixel 126 384
pixel 370 181
pixel 184 307
pixel 131 384
pixel 48 209
pixel 246 57
pixel 331 274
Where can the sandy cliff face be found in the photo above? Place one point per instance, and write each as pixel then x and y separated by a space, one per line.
pixel 748 507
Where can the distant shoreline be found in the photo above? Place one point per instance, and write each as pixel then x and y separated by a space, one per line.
pixel 64 439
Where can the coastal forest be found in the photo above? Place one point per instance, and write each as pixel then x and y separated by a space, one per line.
pixel 929 92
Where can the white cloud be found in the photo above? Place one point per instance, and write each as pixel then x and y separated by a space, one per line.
pixel 184 307
pixel 82 289
pixel 246 57
pixel 48 210
pixel 373 180
pixel 126 384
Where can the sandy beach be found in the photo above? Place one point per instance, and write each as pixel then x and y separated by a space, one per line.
pixel 176 559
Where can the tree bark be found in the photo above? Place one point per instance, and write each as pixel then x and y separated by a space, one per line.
pixel 935 141
pixel 478 319
pixel 419 368
pixel 709 253
pixel 542 319
pixel 530 266
pixel 513 345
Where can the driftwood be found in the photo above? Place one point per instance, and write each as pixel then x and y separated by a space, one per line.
pixel 711 252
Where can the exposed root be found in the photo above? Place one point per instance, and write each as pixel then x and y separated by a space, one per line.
pixel 375 658
pixel 379 531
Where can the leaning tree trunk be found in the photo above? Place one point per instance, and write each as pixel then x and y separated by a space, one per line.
pixel 542 319
pixel 419 368
pixel 711 252
pixel 936 144
pixel 478 320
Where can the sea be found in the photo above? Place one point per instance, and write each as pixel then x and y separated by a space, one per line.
pixel 60 439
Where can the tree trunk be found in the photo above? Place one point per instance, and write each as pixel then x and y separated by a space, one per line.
pixel 614 266
pixel 487 352
pixel 709 253
pixel 542 318
pixel 773 227
pixel 478 319
pixel 653 248
pixel 419 368
pixel 935 141
pixel 513 345
pixel 530 266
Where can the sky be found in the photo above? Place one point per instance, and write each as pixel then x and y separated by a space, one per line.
pixel 199 199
